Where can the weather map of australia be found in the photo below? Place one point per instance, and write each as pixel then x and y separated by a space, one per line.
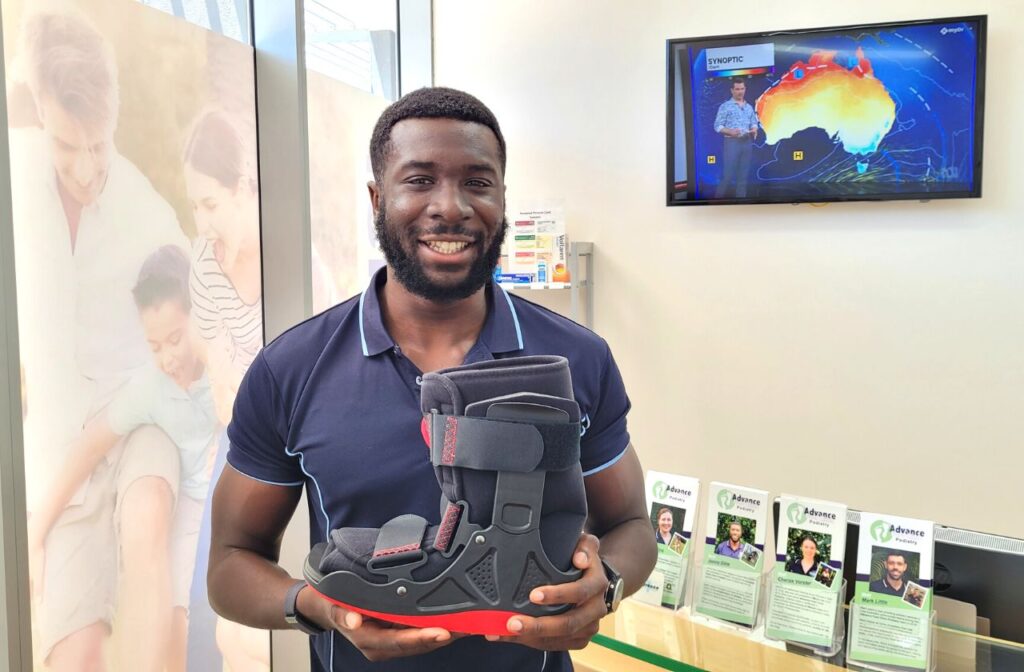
pixel 850 104
pixel 870 111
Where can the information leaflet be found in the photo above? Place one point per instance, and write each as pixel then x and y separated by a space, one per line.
pixel 672 508
pixel 730 578
pixel 891 609
pixel 806 583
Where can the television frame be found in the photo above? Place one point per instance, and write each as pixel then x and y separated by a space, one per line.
pixel 670 70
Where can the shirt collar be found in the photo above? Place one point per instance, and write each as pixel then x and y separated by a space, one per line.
pixel 501 332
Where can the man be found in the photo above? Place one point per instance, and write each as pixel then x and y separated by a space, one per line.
pixel 737 122
pixel 891 582
pixel 85 219
pixel 733 546
pixel 334 405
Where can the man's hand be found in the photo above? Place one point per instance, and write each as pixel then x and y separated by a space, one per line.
pixel 574 628
pixel 376 640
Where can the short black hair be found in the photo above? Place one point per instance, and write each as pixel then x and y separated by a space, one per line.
pixel 430 103
pixel 898 554
pixel 163 277
pixel 737 81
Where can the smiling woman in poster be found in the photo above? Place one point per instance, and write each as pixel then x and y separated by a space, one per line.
pixel 666 526
pixel 807 562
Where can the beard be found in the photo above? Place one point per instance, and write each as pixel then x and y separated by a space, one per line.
pixel 410 272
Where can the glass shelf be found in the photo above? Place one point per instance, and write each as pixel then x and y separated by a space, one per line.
pixel 642 637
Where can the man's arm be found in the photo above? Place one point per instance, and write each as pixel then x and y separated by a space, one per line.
pixel 618 517
pixel 246 585
pixel 720 120
pixel 618 531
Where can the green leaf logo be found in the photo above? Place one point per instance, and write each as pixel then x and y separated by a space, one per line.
pixel 880 531
pixel 795 513
pixel 725 499
pixel 659 490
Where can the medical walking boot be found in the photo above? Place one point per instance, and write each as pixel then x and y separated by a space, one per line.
pixel 504 439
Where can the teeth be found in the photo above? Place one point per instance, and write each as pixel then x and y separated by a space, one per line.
pixel 446 246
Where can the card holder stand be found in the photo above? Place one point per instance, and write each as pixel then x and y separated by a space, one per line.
pixel 699 583
pixel 929 646
pixel 839 628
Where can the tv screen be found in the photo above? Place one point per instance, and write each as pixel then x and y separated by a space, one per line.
pixel 869 112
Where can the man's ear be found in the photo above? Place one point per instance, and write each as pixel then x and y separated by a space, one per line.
pixel 374 196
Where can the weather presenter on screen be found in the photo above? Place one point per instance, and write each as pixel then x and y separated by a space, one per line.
pixel 737 123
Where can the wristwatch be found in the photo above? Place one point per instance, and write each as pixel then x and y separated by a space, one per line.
pixel 616 586
pixel 292 615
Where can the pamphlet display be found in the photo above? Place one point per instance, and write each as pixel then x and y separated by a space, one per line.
pixel 729 583
pixel 891 612
pixel 805 588
pixel 672 507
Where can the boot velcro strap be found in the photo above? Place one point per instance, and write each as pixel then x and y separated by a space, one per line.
pixel 502 445
pixel 449 521
pixel 400 538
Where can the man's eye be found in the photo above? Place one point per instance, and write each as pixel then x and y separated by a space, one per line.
pixel 478 183
pixel 419 180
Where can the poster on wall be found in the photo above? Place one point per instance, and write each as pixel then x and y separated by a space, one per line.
pixel 672 506
pixel 137 252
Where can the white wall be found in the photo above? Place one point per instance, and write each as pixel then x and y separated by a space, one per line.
pixel 870 353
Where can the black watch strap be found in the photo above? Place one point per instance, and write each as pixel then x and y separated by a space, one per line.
pixel 292 615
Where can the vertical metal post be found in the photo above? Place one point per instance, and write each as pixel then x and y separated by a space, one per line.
pixel 415 45
pixel 15 634
pixel 282 123
pixel 283 137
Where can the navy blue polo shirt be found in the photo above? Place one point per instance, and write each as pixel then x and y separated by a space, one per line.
pixel 333 405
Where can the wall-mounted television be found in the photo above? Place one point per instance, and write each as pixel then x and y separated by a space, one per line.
pixel 852 113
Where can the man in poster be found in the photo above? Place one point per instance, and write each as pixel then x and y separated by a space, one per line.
pixel 733 546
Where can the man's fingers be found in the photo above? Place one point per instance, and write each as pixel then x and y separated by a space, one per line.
pixel 592 583
pixel 569 624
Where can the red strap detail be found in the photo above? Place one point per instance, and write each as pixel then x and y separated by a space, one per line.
pixel 451 431
pixel 443 540
pixel 425 430
pixel 396 550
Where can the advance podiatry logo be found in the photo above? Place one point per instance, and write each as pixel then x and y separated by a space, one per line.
pixel 726 499
pixel 881 531
pixel 796 513
pixel 659 490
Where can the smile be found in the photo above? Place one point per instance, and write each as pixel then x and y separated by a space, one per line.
pixel 446 246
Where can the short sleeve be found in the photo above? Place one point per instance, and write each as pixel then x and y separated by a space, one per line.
pixel 259 429
pixel 605 437
pixel 131 408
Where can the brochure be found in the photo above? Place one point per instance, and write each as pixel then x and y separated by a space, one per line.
pixel 891 610
pixel 737 523
pixel 806 583
pixel 672 507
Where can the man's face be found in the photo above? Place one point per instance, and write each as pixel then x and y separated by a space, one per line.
pixel 735 532
pixel 166 327
pixel 738 91
pixel 895 567
pixel 439 209
pixel 81 152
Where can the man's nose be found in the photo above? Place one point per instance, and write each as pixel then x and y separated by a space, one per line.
pixel 450 203
pixel 84 168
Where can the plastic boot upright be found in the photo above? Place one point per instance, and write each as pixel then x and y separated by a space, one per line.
pixel 504 440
